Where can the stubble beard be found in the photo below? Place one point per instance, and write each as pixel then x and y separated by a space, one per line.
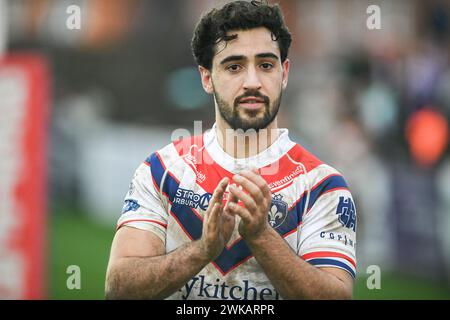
pixel 231 114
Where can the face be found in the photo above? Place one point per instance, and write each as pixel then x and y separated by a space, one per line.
pixel 247 79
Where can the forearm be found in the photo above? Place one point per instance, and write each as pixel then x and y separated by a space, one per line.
pixel 293 277
pixel 154 277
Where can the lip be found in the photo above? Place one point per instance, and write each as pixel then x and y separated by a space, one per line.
pixel 251 103
pixel 251 100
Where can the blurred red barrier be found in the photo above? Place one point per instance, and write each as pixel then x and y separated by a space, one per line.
pixel 24 108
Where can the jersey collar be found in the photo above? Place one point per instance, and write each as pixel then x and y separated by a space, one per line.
pixel 274 152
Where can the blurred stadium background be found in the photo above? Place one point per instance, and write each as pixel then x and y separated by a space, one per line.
pixel 373 103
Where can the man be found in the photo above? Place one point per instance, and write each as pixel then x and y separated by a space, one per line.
pixel 209 218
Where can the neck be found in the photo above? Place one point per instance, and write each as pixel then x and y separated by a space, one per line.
pixel 240 144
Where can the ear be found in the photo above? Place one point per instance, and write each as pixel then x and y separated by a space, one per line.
pixel 286 65
pixel 205 76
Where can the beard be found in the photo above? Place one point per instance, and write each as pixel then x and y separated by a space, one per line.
pixel 255 121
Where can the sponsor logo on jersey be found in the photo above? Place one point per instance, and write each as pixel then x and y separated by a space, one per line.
pixel 346 212
pixel 278 211
pixel 191 159
pixel 200 176
pixel 286 179
pixel 191 199
pixel 197 287
pixel 339 237
pixel 130 205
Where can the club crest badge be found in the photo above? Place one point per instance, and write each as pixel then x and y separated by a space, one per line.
pixel 346 213
pixel 278 211
pixel 130 205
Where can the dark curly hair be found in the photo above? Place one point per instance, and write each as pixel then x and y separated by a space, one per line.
pixel 234 16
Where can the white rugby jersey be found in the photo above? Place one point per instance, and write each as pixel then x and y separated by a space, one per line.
pixel 312 209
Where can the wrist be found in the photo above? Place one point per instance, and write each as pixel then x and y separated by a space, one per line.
pixel 261 237
pixel 206 253
pixel 201 252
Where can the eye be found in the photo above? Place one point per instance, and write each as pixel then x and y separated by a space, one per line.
pixel 234 67
pixel 266 66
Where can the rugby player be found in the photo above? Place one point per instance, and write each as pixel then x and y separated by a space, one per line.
pixel 207 217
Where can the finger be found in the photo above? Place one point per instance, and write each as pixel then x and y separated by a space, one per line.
pixel 216 198
pixel 227 216
pixel 213 220
pixel 231 198
pixel 208 213
pixel 241 212
pixel 248 201
pixel 227 225
pixel 250 186
pixel 256 178
pixel 219 191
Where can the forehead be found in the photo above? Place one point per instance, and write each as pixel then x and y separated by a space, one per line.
pixel 248 43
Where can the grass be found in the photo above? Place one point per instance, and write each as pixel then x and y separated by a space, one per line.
pixel 75 240
pixel 397 286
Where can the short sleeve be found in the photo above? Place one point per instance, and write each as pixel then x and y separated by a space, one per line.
pixel 328 231
pixel 143 208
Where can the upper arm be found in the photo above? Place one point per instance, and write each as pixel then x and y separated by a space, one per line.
pixel 128 243
pixel 145 208
pixel 132 242
pixel 328 230
pixel 141 229
pixel 344 277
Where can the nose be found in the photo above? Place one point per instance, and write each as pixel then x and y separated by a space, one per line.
pixel 252 81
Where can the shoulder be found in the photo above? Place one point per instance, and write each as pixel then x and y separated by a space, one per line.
pixel 320 174
pixel 176 156
pixel 174 150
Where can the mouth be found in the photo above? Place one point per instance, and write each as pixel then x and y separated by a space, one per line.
pixel 252 103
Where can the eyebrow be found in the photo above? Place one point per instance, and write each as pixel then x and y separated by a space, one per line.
pixel 241 57
pixel 267 55
pixel 233 58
